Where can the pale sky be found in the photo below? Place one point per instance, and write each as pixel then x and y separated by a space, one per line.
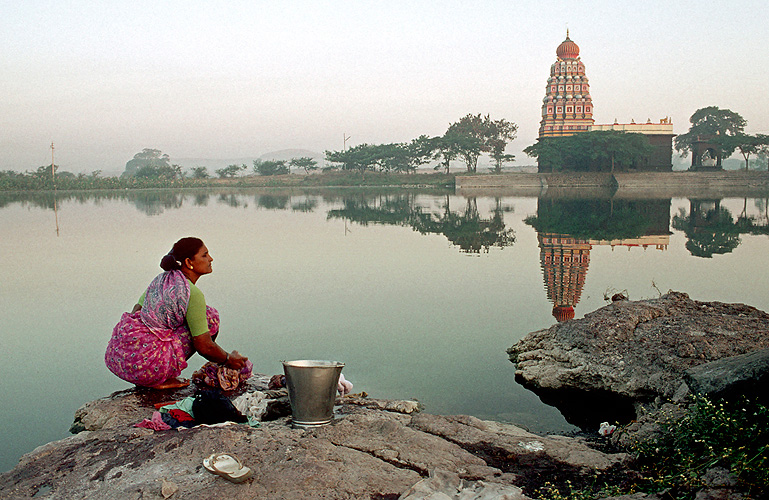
pixel 237 79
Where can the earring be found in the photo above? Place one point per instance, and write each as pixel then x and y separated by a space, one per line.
pixel 190 267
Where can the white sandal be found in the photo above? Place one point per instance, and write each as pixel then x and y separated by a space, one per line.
pixel 228 466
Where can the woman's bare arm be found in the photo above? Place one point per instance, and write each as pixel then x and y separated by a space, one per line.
pixel 210 350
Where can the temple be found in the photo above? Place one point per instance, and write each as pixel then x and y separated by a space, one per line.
pixel 567 107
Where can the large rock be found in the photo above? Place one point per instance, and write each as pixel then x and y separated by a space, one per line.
pixel 373 449
pixel 746 374
pixel 632 351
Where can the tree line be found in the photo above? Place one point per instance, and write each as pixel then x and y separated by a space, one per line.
pixel 465 140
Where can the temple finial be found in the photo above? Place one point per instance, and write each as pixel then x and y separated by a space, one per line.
pixel 567 32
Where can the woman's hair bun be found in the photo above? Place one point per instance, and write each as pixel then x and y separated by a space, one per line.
pixel 169 263
pixel 184 249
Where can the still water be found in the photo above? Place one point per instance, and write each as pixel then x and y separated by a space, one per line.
pixel 418 293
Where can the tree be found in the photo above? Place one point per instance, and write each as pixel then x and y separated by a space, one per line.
pixel 45 171
pixel 230 171
pixel 420 151
pixel 392 157
pixel 498 134
pixel 446 148
pixel 361 157
pixel 616 148
pixel 157 171
pixel 476 134
pixel 763 149
pixel 748 144
pixel 304 162
pixel 270 167
pixel 548 152
pixel 147 157
pixel 199 173
pixel 712 123
pixel 468 139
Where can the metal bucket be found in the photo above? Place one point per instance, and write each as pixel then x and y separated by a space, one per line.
pixel 312 390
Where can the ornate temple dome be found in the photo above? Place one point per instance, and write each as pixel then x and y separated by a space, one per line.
pixel 567 49
pixel 567 108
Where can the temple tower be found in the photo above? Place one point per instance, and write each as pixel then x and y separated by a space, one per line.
pixel 567 107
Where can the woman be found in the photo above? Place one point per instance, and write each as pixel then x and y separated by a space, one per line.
pixel 150 345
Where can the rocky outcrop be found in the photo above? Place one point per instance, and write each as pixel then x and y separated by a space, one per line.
pixel 632 352
pixel 746 374
pixel 373 449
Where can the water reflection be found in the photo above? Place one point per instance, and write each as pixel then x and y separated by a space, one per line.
pixel 711 229
pixel 271 202
pixel 568 229
pixel 464 228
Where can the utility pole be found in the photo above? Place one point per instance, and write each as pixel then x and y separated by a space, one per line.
pixel 346 138
pixel 53 178
pixel 53 171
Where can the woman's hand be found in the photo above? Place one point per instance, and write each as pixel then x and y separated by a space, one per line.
pixel 210 350
pixel 236 361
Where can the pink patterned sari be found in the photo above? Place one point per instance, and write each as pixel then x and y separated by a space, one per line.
pixel 152 345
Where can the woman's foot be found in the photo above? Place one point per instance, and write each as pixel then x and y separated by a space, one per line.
pixel 172 383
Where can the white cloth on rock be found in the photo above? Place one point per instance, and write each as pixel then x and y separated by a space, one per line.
pixel 252 404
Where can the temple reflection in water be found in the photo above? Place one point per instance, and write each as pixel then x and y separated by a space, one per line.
pixel 565 257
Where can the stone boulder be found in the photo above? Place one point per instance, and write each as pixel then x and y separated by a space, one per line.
pixel 746 375
pixel 632 352
pixel 372 449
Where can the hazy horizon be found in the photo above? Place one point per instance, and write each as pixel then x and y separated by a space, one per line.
pixel 201 80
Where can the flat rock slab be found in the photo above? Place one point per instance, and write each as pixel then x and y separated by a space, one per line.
pixel 637 349
pixel 746 373
pixel 366 452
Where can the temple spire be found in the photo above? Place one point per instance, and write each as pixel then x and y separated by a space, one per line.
pixel 567 108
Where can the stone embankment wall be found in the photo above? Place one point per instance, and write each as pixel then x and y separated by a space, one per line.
pixel 620 185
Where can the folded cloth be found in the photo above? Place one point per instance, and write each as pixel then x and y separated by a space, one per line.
pixel 175 424
pixel 156 423
pixel 185 405
pixel 344 386
pixel 181 415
